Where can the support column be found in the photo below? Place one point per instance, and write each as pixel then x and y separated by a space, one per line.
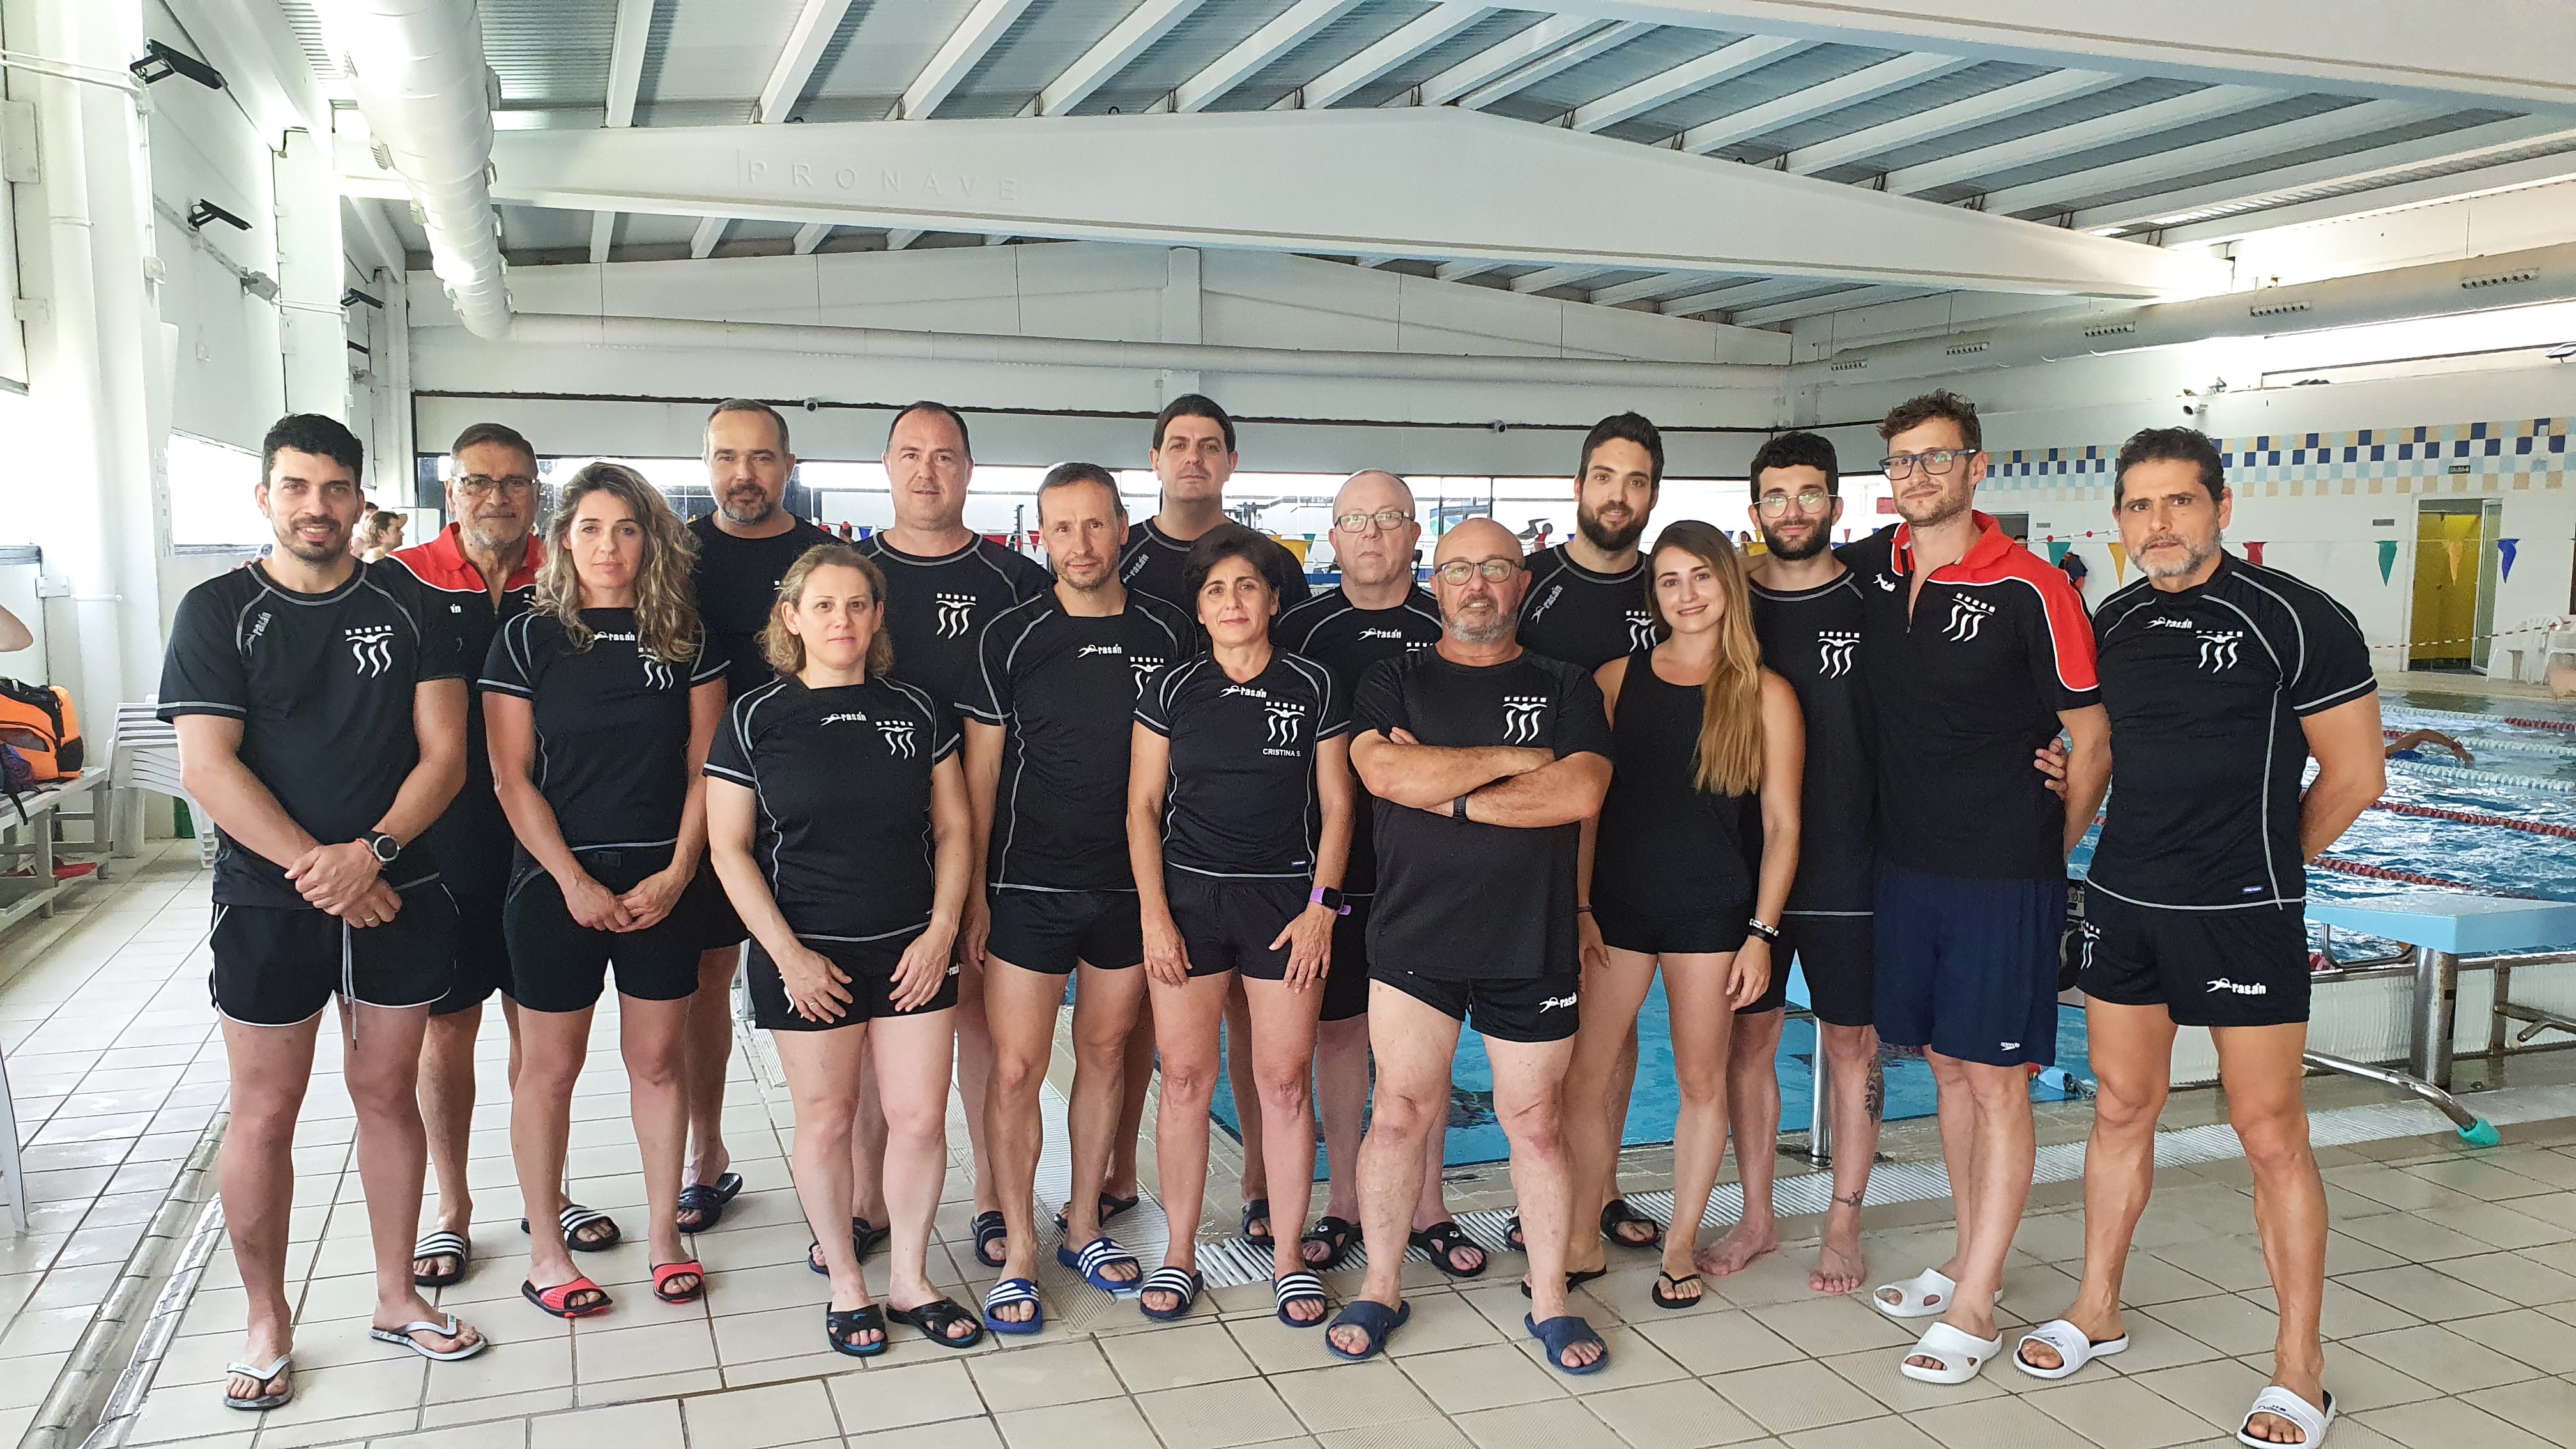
pixel 1181 314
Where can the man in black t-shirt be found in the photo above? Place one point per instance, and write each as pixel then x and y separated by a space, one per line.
pixel 744 548
pixel 1485 759
pixel 1048 739
pixel 2220 676
pixel 320 709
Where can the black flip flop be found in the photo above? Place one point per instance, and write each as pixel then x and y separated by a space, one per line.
pixel 864 1239
pixel 934 1318
pixel 1110 1208
pixel 1572 1280
pixel 573 1219
pixel 1337 1235
pixel 1512 1237
pixel 1442 1239
pixel 840 1323
pixel 992 1239
pixel 1258 1207
pixel 1616 1214
pixel 708 1200
pixel 1665 1300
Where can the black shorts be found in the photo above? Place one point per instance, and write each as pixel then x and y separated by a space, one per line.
pixel 1711 932
pixel 1228 925
pixel 1839 952
pixel 276 966
pixel 1968 967
pixel 1050 931
pixel 1523 1009
pixel 711 913
pixel 870 967
pixel 1346 977
pixel 2245 967
pixel 482 951
pixel 558 964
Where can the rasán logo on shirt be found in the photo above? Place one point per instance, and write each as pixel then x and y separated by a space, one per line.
pixel 898 737
pixel 2218 649
pixel 372 645
pixel 1967 615
pixel 1834 651
pixel 1087 650
pixel 1520 717
pixel 956 612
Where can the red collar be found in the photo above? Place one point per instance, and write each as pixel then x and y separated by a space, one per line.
pixel 441 563
pixel 1992 547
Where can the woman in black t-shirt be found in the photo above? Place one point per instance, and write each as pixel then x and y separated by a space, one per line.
pixel 838 818
pixel 1239 811
pixel 599 704
pixel 1688 866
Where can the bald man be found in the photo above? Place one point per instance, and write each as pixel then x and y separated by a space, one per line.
pixel 1485 760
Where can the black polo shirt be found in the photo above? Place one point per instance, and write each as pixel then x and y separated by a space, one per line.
pixel 1811 637
pixel 1584 618
pixel 843 781
pixel 1153 562
pixel 612 724
pixel 936 608
pixel 1347 639
pixel 1241 802
pixel 323 685
pixel 737 583
pixel 1063 688
pixel 1460 900
pixel 2206 688
pixel 1965 691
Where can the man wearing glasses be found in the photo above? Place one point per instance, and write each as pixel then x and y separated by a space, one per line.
pixel 478 572
pixel 1975 653
pixel 1485 759
pixel 1377 613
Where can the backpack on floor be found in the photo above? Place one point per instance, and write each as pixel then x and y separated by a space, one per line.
pixel 38 721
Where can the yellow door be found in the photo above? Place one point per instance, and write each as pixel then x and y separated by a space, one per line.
pixel 2446 586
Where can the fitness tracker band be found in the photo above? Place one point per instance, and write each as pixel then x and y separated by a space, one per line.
pixel 1329 898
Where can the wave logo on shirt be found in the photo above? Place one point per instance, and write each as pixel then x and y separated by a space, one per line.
pixel 1284 715
pixel 956 612
pixel 898 737
pixel 1834 651
pixel 372 645
pixel 657 674
pixel 1521 714
pixel 1144 665
pixel 1967 615
pixel 1641 629
pixel 2218 649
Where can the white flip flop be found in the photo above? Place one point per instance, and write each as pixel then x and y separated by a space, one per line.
pixel 267 1379
pixel 450 1329
pixel 2281 1403
pixel 2073 1349
pixel 1959 1355
pixel 1925 1295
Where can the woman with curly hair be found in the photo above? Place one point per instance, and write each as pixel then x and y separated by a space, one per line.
pixel 600 703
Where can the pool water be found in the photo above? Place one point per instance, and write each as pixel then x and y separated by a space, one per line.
pixel 2486 856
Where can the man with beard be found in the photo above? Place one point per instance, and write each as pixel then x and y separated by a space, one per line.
pixel 1975 653
pixel 2221 676
pixel 1377 613
pixel 320 710
pixel 1586 605
pixel 479 571
pixel 1485 759
pixel 943 583
pixel 744 548
pixel 1049 730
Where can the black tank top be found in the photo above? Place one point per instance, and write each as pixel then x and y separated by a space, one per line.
pixel 1666 846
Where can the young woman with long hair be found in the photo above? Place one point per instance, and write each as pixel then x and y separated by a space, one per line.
pixel 600 704
pixel 1706 738
pixel 837 815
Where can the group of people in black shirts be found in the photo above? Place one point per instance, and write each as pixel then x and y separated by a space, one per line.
pixel 928 780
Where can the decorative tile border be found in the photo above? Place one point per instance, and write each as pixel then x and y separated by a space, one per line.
pixel 2470 457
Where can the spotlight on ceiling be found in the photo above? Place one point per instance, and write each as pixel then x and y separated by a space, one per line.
pixel 160 62
pixel 2562 352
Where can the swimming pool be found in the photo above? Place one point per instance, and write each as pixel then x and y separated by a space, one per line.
pixel 2523 772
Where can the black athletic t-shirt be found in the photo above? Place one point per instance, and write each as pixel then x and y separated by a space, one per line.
pixel 1064 689
pixel 1460 900
pixel 323 685
pixel 2206 688
pixel 936 608
pixel 472 838
pixel 1665 846
pixel 737 583
pixel 612 724
pixel 1241 801
pixel 1153 561
pixel 842 777
pixel 1966 691
pixel 1584 618
pixel 1346 639
pixel 1811 637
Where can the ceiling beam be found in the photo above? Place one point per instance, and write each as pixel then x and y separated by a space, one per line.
pixel 1663 284
pixel 1461 271
pixel 1733 299
pixel 2178 161
pixel 2546 170
pixel 1293 27
pixel 1809 102
pixel 2467 145
pixel 815 24
pixel 1433 27
pixel 902 237
pixel 1722 64
pixel 1530 50
pixel 1112 53
pixel 1432 182
pixel 625 78
pixel 810 235
pixel 702 242
pixel 2011 155
pixel 1548 279
pixel 983 27
pixel 2001 103
pixel 1843 301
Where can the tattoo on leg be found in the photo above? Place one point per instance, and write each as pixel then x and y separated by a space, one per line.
pixel 1874 1096
pixel 1853 1201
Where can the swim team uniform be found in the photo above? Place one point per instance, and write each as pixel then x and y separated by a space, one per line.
pixel 1811 637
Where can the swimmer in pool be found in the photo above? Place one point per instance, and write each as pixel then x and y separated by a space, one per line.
pixel 2412 744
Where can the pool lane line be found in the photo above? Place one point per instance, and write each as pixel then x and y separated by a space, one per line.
pixel 2410 877
pixel 2472 817
pixel 2494 778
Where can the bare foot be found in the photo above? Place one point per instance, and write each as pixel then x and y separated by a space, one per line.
pixel 1841 1266
pixel 1746 1241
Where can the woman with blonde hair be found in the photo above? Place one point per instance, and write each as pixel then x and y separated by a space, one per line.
pixel 837 814
pixel 600 703
pixel 1706 737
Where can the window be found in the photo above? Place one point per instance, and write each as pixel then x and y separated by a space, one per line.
pixel 212 502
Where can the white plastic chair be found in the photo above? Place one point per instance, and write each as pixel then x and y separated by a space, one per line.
pixel 143 754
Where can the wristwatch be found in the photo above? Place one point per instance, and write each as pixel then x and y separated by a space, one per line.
pixel 1458 808
pixel 1329 898
pixel 382 846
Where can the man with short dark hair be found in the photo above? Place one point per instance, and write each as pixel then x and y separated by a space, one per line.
pixel 744 548
pixel 2221 677
pixel 319 703
pixel 1975 654
pixel 943 583
pixel 1053 715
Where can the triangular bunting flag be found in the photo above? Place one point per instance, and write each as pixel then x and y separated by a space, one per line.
pixel 2057 551
pixel 2119 562
pixel 2455 547
pixel 2504 556
pixel 2387 557
pixel 2254 553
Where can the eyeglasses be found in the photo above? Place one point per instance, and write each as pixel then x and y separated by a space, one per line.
pixel 1938 462
pixel 478 485
pixel 1812 500
pixel 1458 570
pixel 1388 520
